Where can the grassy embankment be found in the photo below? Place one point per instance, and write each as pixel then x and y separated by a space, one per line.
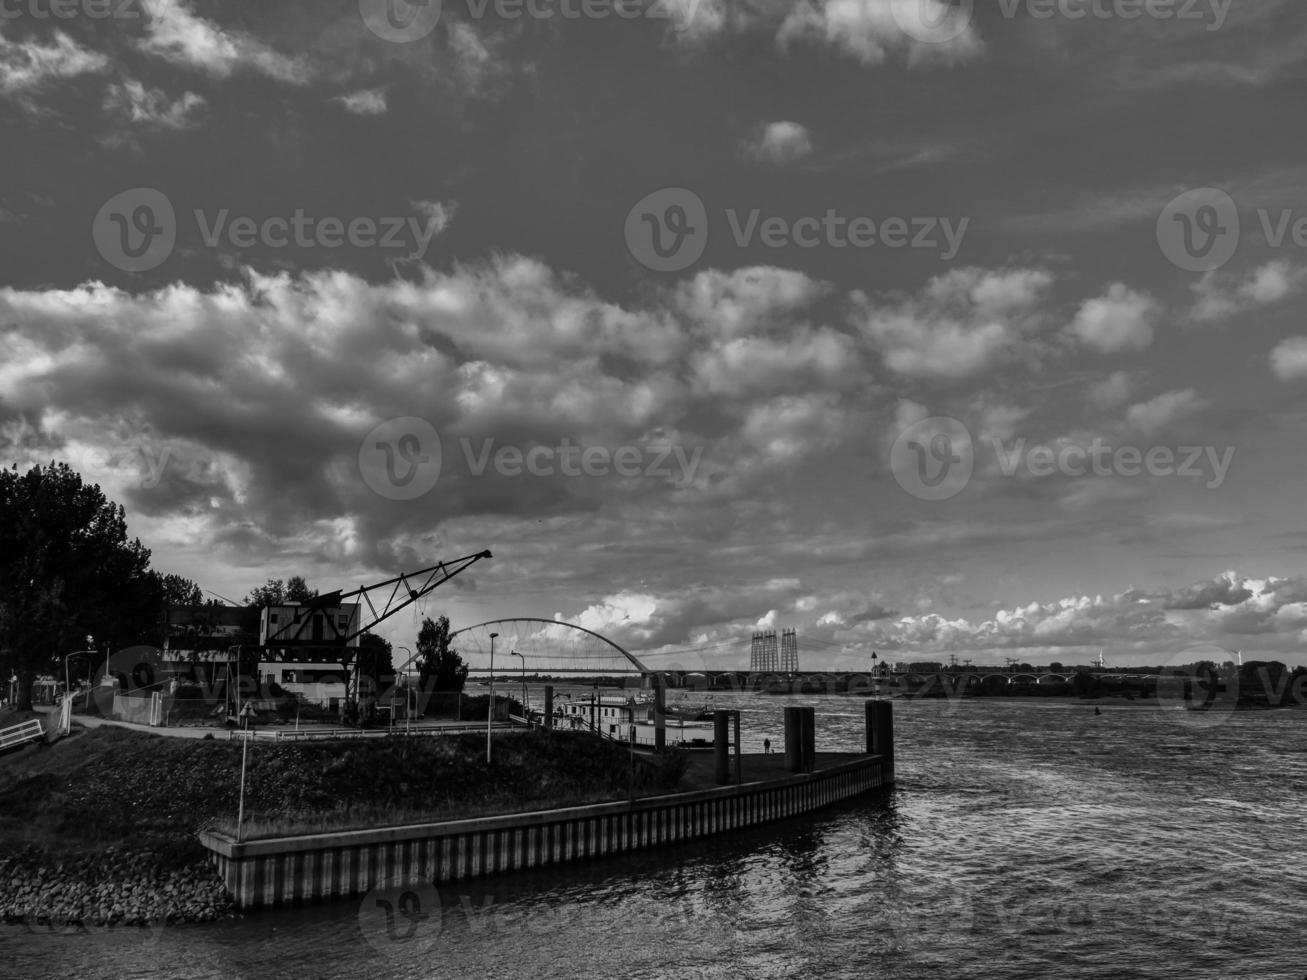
pixel 102 825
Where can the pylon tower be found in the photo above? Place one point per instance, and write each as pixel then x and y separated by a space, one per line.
pixel 762 656
pixel 789 652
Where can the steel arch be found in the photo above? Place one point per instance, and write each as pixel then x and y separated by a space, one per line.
pixel 629 657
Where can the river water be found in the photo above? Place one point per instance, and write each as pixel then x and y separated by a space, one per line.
pixel 1024 839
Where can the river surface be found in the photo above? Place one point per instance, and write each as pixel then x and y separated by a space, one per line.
pixel 1024 839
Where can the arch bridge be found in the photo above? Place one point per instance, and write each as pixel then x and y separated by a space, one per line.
pixel 533 645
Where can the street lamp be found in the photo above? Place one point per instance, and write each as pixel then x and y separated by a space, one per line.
pixel 408 694
pixel 66 708
pixel 523 659
pixel 490 712
pixel 68 656
pixel 875 682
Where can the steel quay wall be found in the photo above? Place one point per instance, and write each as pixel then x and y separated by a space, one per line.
pixel 319 867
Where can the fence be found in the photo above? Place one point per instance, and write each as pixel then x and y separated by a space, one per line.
pixel 309 734
pixel 28 731
pixel 146 710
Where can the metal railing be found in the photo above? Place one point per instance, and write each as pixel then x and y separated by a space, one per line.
pixel 284 734
pixel 28 731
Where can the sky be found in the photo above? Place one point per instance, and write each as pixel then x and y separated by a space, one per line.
pixel 971 330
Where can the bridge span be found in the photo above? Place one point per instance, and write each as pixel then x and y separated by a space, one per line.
pixel 915 683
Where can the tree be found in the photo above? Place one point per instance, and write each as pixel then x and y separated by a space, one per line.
pixel 374 672
pixel 180 592
pixel 437 662
pixel 374 660
pixel 272 593
pixel 275 592
pixel 67 571
pixel 297 590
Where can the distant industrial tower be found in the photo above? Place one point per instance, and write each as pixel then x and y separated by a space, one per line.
pixel 763 657
pixel 789 652
pixel 767 658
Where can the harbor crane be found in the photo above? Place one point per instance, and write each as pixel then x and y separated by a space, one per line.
pixel 317 622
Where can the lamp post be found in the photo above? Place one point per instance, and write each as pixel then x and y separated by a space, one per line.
pixel 68 656
pixel 490 712
pixel 66 709
pixel 523 659
pixel 875 681
pixel 408 695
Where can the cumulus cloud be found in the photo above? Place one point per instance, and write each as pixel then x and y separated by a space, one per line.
pixel 365 102
pixel 1130 625
pixel 870 30
pixel 680 625
pixel 437 213
pixel 793 426
pixel 1120 320
pixel 144 106
pixel 962 324
pixel 269 385
pixel 26 66
pixel 1289 359
pixel 1221 296
pixel 1112 392
pixel 1224 590
pixel 779 143
pixel 1158 414
pixel 761 299
pixel 476 58
pixel 175 33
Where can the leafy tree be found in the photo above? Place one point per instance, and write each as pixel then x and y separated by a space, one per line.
pixel 374 660
pixel 437 662
pixel 374 672
pixel 179 591
pixel 297 590
pixel 272 593
pixel 67 570
pixel 275 592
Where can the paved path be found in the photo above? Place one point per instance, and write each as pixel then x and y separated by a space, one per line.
pixel 701 773
pixel 201 731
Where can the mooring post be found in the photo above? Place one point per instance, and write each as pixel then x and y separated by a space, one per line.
pixel 809 738
pixel 739 778
pixel 549 707
pixel 721 745
pixel 660 712
pixel 880 736
pixel 793 739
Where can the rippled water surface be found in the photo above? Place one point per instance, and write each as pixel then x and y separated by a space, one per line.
pixel 1024 839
